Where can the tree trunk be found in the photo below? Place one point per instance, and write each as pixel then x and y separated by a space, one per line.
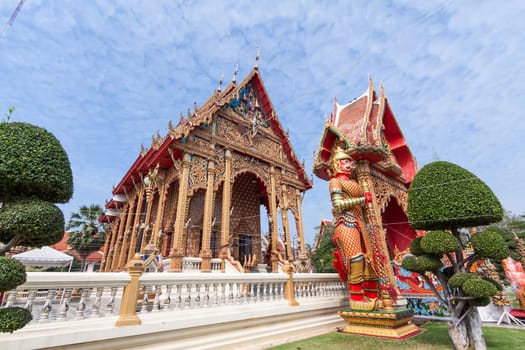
pixel 475 332
pixel 459 335
pixel 13 242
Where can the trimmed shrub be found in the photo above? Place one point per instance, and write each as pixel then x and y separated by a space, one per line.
pixel 12 273
pixel 39 222
pixel 33 163
pixel 443 195
pixel 457 280
pixel 421 264
pixel 439 242
pixel 496 284
pixel 13 318
pixel 476 287
pixel 491 245
pixel 429 263
pixel 410 263
pixel 415 246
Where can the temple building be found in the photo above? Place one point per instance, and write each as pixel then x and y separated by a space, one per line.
pixel 367 128
pixel 197 194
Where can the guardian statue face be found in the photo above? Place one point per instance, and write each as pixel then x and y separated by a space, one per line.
pixel 342 163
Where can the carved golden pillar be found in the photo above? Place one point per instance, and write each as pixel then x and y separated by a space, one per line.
pixel 114 246
pixel 150 183
pixel 177 252
pixel 273 220
pixel 157 227
pixel 207 220
pixel 286 225
pixel 226 203
pixel 364 178
pixel 136 224
pixel 299 225
pixel 121 261
pixel 147 221
pixel 109 245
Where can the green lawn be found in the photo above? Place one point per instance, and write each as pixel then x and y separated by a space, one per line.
pixel 434 337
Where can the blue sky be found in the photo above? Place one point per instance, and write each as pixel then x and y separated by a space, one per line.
pixel 104 76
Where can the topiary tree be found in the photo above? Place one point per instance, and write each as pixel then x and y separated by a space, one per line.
pixel 444 198
pixel 35 173
pixel 12 274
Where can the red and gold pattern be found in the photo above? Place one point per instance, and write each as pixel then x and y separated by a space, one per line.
pixel 349 238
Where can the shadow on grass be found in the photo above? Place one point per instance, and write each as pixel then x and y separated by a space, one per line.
pixel 434 337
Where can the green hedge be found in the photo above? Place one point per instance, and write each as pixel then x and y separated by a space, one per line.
pixel 429 263
pixel 489 244
pixel 33 163
pixel 12 273
pixel 40 222
pixel 496 284
pixel 13 318
pixel 439 242
pixel 476 287
pixel 457 280
pixel 410 263
pixel 421 264
pixel 445 196
pixel 415 246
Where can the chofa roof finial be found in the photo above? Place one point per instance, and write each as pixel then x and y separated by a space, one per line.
pixel 234 78
pixel 219 88
pixel 256 65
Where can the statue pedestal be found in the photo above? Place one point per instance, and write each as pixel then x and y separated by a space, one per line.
pixel 395 324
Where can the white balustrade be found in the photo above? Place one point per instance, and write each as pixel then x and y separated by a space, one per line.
pixel 191 264
pixel 216 265
pixel 69 296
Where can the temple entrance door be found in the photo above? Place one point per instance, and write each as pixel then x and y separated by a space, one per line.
pixel 245 243
pixel 249 193
pixel 194 224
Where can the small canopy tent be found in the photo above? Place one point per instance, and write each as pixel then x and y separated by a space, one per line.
pixel 44 257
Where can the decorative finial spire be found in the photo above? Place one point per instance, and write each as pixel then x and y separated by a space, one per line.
pixel 234 78
pixel 194 107
pixel 189 113
pixel 181 118
pixel 219 88
pixel 256 65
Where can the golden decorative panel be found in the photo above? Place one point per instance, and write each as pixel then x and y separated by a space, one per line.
pixel 198 172
pixel 387 188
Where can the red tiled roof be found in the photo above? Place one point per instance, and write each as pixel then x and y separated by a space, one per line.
pixel 62 244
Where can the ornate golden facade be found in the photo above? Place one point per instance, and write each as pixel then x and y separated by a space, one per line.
pixel 198 191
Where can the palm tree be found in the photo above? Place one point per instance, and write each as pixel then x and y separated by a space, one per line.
pixel 86 234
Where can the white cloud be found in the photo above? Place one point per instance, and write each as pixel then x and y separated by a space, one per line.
pixel 104 76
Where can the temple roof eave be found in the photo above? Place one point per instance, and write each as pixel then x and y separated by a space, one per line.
pixel 153 155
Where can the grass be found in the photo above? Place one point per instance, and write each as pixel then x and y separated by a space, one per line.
pixel 434 337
